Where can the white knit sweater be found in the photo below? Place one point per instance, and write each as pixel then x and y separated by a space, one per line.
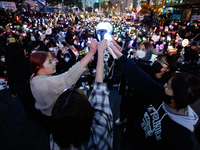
pixel 46 89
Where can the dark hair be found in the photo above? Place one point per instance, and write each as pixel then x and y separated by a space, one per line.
pixel 186 89
pixel 171 60
pixel 65 44
pixel 68 55
pixel 72 119
pixel 37 60
pixel 149 50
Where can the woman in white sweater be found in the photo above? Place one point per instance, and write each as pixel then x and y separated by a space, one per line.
pixel 47 88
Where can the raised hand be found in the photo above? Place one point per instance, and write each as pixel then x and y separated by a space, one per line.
pixel 116 45
pixel 87 58
pixel 102 45
pixel 116 51
pixel 93 46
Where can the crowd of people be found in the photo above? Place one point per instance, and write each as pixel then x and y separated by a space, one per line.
pixel 61 71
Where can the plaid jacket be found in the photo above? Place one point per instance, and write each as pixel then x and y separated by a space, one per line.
pixel 101 137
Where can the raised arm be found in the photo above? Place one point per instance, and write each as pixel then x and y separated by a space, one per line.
pixel 61 60
pixel 102 127
pixel 100 64
pixel 87 58
pixel 136 77
pixel 70 77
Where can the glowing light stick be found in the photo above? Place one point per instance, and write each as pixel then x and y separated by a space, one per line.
pixel 104 30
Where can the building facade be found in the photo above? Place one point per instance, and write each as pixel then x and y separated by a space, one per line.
pixel 188 10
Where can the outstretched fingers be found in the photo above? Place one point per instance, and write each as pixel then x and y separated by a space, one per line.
pixel 116 51
pixel 116 45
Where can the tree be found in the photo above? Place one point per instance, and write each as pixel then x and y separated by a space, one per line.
pixel 88 9
pixel 96 5
pixel 79 4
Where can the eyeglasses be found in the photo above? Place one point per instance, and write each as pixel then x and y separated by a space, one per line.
pixel 162 62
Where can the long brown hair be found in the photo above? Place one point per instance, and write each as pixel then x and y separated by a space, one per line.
pixel 37 60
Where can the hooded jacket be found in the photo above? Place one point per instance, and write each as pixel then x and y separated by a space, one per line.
pixel 158 127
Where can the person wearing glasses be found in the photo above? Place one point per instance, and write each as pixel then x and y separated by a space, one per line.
pixel 82 123
pixel 161 71
pixel 168 120
pixel 163 68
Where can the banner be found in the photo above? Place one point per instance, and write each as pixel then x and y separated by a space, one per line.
pixel 83 52
pixel 42 2
pixel 31 3
pixel 8 5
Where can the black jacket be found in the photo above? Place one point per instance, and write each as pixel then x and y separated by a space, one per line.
pixel 66 65
pixel 172 135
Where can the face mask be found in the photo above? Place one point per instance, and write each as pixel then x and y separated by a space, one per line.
pixel 140 54
pixel 157 67
pixel 67 59
pixel 51 48
pixel 3 59
pixel 46 41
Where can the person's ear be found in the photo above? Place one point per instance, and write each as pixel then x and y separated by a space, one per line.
pixel 172 100
pixel 39 69
pixel 167 69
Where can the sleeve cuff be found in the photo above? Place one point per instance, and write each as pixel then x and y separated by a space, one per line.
pixel 122 59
